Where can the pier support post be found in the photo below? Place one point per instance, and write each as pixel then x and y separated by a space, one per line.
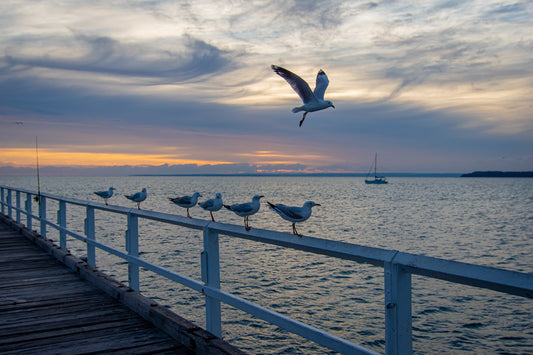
pixel 42 215
pixel 211 278
pixel 8 200
pixel 132 247
pixel 90 234
pixel 2 199
pixel 17 194
pixel 398 324
pixel 62 222
pixel 28 211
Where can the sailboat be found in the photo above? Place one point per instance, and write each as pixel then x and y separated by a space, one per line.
pixel 377 179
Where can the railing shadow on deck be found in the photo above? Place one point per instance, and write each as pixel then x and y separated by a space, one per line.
pixel 398 267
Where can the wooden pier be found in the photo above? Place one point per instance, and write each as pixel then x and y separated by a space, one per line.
pixel 52 302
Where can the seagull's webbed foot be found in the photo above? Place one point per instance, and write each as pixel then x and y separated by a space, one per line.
pixel 294 231
pixel 188 215
pixel 138 205
pixel 302 120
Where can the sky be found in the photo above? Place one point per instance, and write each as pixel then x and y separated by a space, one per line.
pixel 185 87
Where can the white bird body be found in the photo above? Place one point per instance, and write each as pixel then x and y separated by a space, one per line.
pixel 212 205
pixel 313 100
pixel 246 209
pixel 105 194
pixel 138 197
pixel 186 201
pixel 294 214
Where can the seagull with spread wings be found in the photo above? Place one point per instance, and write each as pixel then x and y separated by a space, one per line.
pixel 313 100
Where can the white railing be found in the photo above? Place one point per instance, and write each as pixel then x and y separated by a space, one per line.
pixel 398 267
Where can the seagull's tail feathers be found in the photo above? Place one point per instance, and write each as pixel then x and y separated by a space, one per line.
pixel 297 109
pixel 271 205
pixel 227 206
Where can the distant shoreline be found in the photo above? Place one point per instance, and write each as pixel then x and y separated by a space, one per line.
pixel 513 174
pixel 315 175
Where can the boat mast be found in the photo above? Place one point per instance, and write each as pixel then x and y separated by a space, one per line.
pixel 376 165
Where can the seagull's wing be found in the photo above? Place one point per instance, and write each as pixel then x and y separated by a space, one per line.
pixel 298 84
pixel 184 199
pixel 291 212
pixel 207 204
pixel 242 208
pixel 322 83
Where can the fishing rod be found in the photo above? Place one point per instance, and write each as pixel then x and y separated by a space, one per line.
pixel 38 197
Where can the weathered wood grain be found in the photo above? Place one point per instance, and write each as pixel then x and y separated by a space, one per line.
pixel 46 308
pixel 53 303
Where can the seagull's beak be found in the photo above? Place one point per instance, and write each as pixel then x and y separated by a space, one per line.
pixel 333 106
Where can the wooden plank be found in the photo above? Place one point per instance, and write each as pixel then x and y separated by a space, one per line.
pixel 22 279
pixel 79 321
pixel 124 336
pixel 13 304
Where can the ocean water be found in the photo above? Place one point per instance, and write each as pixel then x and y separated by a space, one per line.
pixel 480 221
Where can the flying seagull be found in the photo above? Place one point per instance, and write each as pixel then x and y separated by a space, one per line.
pixel 105 194
pixel 186 201
pixel 138 197
pixel 212 205
pixel 313 100
pixel 294 214
pixel 246 209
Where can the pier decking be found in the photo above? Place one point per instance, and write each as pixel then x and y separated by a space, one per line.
pixel 46 307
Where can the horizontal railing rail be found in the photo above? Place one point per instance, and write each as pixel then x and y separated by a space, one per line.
pixel 398 267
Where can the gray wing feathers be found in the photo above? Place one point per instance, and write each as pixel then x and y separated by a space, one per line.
pixel 298 84
pixel 290 212
pixel 322 83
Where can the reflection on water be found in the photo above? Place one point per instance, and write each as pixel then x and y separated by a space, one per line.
pixel 481 221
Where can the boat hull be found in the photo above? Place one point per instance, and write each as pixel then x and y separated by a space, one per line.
pixel 376 182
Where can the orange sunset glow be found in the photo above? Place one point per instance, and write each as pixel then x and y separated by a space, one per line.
pixel 27 157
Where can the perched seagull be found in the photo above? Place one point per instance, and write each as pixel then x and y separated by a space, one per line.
pixel 138 197
pixel 313 100
pixel 212 205
pixel 105 194
pixel 246 209
pixel 186 201
pixel 294 214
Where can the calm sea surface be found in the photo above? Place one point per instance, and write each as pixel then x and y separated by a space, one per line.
pixel 481 221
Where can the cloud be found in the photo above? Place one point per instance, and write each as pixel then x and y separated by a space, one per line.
pixel 191 59
pixel 416 82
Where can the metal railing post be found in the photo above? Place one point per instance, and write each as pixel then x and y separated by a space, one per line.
pixel 398 323
pixel 90 233
pixel 42 215
pixel 132 247
pixel 2 199
pixel 211 278
pixel 62 222
pixel 8 200
pixel 28 211
pixel 17 194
